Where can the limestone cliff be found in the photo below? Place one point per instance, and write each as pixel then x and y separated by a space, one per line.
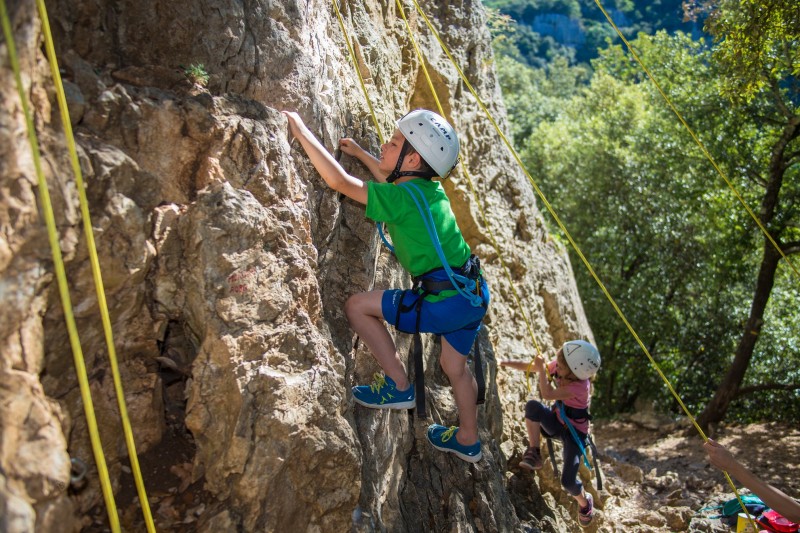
pixel 226 262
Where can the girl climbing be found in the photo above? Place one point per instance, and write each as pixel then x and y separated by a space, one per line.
pixel 575 364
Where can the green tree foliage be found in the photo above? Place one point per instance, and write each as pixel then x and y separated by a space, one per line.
pixel 757 48
pixel 757 44
pixel 663 232
pixel 575 29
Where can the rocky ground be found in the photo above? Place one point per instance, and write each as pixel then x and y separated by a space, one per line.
pixel 657 477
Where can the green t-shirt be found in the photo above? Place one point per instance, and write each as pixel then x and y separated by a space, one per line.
pixel 413 246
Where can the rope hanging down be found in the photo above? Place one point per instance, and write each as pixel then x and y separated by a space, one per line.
pixel 49 217
pixel 697 140
pixel 96 274
pixel 61 277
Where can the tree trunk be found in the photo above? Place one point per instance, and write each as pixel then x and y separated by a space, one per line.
pixel 729 387
pixel 726 391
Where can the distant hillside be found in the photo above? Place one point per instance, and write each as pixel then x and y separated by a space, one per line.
pixel 575 29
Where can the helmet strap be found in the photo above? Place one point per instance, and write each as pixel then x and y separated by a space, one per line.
pixel 397 173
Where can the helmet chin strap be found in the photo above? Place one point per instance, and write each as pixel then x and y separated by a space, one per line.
pixel 397 173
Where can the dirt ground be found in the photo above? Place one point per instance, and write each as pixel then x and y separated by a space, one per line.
pixel 657 476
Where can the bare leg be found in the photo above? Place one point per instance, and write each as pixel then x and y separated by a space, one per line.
pixel 581 499
pixel 465 390
pixel 364 312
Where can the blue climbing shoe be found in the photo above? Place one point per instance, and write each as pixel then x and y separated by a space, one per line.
pixel 444 439
pixel 383 394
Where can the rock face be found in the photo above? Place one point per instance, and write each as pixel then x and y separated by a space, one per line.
pixel 226 263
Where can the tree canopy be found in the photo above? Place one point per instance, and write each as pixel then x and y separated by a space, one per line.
pixel 665 234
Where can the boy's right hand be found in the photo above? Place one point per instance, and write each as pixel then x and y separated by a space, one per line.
pixel 538 363
pixel 349 146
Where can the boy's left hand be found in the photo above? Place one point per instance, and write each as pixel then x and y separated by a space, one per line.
pixel 538 363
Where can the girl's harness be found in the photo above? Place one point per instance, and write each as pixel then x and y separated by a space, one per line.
pixel 575 413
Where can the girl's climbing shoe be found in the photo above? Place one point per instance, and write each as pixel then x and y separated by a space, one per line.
pixel 532 460
pixel 444 439
pixel 586 515
pixel 383 394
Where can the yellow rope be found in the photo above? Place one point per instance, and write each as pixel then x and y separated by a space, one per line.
pixel 96 274
pixel 58 263
pixel 720 172
pixel 474 192
pixel 698 141
pixel 569 237
pixel 358 70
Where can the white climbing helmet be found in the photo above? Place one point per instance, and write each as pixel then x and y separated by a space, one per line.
pixel 582 358
pixel 432 137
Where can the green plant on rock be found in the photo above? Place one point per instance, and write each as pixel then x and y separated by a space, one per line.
pixel 196 73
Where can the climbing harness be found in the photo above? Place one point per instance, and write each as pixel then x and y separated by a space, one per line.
pixel 573 413
pixel 577 414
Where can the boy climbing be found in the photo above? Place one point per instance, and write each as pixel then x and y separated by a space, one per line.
pixel 575 364
pixel 449 299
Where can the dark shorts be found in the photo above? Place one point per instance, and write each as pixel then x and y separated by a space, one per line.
pixel 454 318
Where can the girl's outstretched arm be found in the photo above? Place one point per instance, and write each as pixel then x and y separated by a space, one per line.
pixel 352 148
pixel 518 365
pixel 331 171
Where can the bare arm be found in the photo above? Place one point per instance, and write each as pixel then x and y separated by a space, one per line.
pixel 548 392
pixel 352 148
pixel 518 365
pixel 721 458
pixel 546 389
pixel 331 171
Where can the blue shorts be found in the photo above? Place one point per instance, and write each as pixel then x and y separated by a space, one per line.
pixel 454 318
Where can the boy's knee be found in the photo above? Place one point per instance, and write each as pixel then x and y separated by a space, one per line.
pixel 352 307
pixel 452 366
pixel 533 410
